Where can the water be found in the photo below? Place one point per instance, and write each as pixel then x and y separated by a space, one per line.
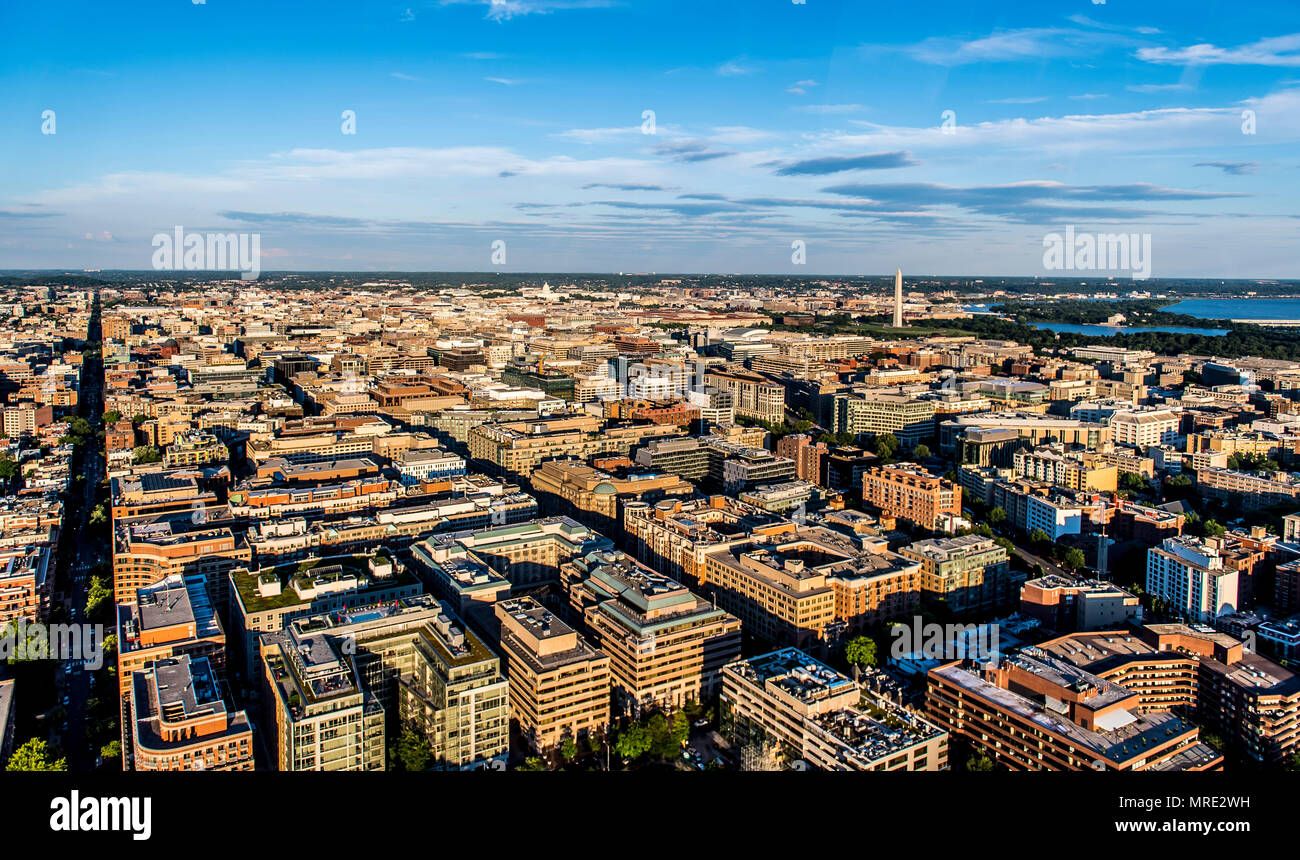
pixel 1111 330
pixel 1245 308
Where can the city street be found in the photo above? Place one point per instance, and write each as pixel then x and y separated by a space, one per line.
pixel 74 682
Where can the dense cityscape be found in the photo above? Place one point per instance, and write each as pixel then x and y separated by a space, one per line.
pixel 401 396
pixel 369 526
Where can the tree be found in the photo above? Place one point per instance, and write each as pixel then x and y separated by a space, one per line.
pixel 569 749
pixel 145 454
pixel 111 417
pixel 413 749
pixel 633 742
pixel 997 515
pixel 111 750
pixel 96 595
pixel 979 763
pixel 681 728
pixel 884 445
pixel 1213 529
pixel 35 755
pixel 920 452
pixel 662 741
pixel 861 651
pixel 1038 538
pixel 97 515
pixel 8 468
pixel 532 763
pixel 1073 558
pixel 1133 482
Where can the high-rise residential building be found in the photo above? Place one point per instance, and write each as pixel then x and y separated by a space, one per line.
pixel 336 682
pixel 150 550
pixel 560 687
pixel 265 599
pixel 1188 573
pixel 179 719
pixel 822 719
pixel 807 455
pixel 318 713
pixel 753 395
pixel 1060 468
pixel 966 574
pixel 666 644
pixel 26 580
pixel 910 493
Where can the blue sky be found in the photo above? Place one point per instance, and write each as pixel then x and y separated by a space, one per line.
pixel 522 121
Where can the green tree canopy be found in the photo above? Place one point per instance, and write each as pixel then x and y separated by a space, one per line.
pixel 413 749
pixel 1073 558
pixel 861 651
pixel 35 755
pixel 145 454
pixel 633 742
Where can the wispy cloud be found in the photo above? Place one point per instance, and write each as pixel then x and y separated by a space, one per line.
pixel 1024 44
pixel 1236 168
pixel 801 87
pixel 841 163
pixel 690 151
pixel 626 186
pixel 736 68
pixel 1275 51
pixel 506 82
pixel 1158 88
pixel 504 10
pixel 830 109
pixel 1026 201
pixel 1023 100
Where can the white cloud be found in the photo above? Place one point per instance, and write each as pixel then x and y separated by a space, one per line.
pixel 1276 51
pixel 736 68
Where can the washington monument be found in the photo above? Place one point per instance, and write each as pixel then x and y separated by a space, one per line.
pixel 898 299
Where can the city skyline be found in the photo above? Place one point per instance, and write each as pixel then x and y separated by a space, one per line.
pixel 817 138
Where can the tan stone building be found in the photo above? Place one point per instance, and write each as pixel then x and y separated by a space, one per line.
pixel 559 685
pixel 666 645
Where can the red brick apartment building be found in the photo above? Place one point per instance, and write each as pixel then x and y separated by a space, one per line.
pixel 910 493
